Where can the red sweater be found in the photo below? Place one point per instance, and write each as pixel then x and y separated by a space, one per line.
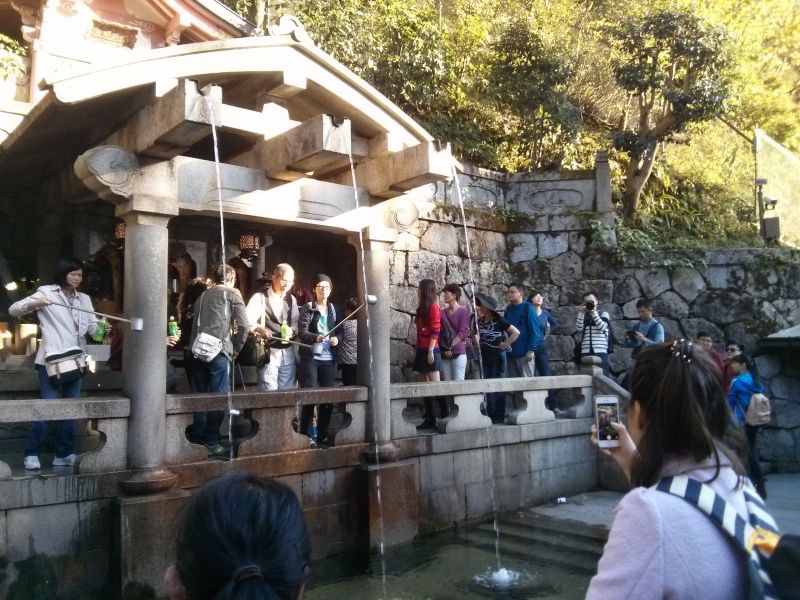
pixel 426 331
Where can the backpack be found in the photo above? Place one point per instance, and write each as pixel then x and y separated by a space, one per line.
pixel 446 333
pixel 774 562
pixel 758 412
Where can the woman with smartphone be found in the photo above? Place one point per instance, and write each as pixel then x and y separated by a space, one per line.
pixel 660 546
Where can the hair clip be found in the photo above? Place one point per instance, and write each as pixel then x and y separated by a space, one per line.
pixel 683 349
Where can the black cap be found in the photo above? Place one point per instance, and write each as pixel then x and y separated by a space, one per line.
pixel 320 277
pixel 486 301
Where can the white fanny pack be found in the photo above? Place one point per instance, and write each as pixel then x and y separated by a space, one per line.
pixel 66 366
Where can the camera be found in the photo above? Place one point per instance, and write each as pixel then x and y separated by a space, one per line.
pixel 770 203
pixel 631 334
pixel 590 305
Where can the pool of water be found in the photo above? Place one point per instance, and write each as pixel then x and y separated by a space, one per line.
pixel 443 567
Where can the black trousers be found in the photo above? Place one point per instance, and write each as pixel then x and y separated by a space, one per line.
pixel 316 373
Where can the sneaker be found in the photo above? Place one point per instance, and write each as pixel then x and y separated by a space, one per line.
pixel 312 442
pixel 32 463
pixel 215 450
pixel 66 461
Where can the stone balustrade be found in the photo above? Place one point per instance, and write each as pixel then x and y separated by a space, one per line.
pixel 465 413
pixel 110 418
pixel 268 416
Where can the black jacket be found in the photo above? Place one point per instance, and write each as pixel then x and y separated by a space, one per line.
pixel 308 332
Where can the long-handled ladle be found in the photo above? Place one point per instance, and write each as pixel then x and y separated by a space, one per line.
pixel 136 323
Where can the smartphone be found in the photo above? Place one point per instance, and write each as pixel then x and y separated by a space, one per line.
pixel 606 411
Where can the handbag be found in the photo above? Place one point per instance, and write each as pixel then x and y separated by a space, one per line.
pixel 254 353
pixel 205 347
pixel 446 334
pixel 66 366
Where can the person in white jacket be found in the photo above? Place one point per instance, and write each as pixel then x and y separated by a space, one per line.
pixel 62 329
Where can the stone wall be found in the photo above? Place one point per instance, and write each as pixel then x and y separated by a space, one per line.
pixel 741 294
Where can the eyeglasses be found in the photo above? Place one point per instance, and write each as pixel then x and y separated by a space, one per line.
pixel 513 292
pixel 323 287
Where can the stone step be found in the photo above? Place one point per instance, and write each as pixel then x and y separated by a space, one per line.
pixel 552 524
pixel 540 537
pixel 533 552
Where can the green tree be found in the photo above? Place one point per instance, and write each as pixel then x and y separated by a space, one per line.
pixel 673 67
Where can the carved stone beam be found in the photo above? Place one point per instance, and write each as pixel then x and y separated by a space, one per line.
pixel 318 145
pixel 173 122
pixel 402 171
pixel 116 175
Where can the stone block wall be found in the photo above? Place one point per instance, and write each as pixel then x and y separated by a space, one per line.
pixel 738 294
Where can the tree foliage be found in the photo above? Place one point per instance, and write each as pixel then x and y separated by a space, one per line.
pixel 524 84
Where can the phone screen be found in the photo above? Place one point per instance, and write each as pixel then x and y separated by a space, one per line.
pixel 607 413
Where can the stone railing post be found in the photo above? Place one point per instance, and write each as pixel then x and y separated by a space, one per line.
pixel 146 198
pixel 373 343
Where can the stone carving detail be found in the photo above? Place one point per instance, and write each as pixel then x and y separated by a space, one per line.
pixel 555 198
pixel 108 170
pixel 403 212
pixel 478 195
pixel 289 25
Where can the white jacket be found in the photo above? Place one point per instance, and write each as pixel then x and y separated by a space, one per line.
pixel 61 328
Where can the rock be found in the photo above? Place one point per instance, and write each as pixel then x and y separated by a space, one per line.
pixel 652 281
pixel 671 304
pixel 405 299
pixel 560 347
pixel 396 375
pixel 724 306
pixel 789 311
pixel 402 355
pixel 785 413
pixel 407 242
pixel 483 245
pixel 762 281
pixel 723 278
pixel 688 283
pixel 672 329
pixel 626 289
pixel 397 268
pixel 614 311
pixel 565 268
pixel 537 272
pixel 620 360
pixel 600 266
pixel 565 317
pixel 426 265
pixel 786 388
pixel 572 294
pixel 743 333
pixel 521 247
pixel 693 326
pixel 441 239
pixel 629 309
pixel 553 244
pixel 399 325
pixel 768 365
pixel 578 242
pixel 618 329
pixel 776 445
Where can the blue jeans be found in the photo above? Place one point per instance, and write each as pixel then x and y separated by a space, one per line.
pixel 205 377
pixel 494 367
pixel 273 377
pixel 65 439
pixel 542 362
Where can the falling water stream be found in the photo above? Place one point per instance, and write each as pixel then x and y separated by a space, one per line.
pixel 500 577
pixel 223 261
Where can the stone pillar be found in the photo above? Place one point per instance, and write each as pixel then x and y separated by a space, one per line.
pixel 373 369
pixel 145 198
pixel 602 183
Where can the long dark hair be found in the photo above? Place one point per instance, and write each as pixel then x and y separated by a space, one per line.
pixel 679 389
pixel 245 538
pixel 427 297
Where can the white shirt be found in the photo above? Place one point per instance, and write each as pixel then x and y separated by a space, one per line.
pixel 62 328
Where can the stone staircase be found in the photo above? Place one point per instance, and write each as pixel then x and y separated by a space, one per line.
pixel 543 540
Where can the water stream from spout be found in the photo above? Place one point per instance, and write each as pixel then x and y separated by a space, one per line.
pixel 373 403
pixel 231 376
pixel 501 577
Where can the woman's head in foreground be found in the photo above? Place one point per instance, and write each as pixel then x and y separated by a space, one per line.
pixel 678 409
pixel 240 537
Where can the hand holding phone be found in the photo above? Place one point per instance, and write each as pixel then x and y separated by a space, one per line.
pixel 606 411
